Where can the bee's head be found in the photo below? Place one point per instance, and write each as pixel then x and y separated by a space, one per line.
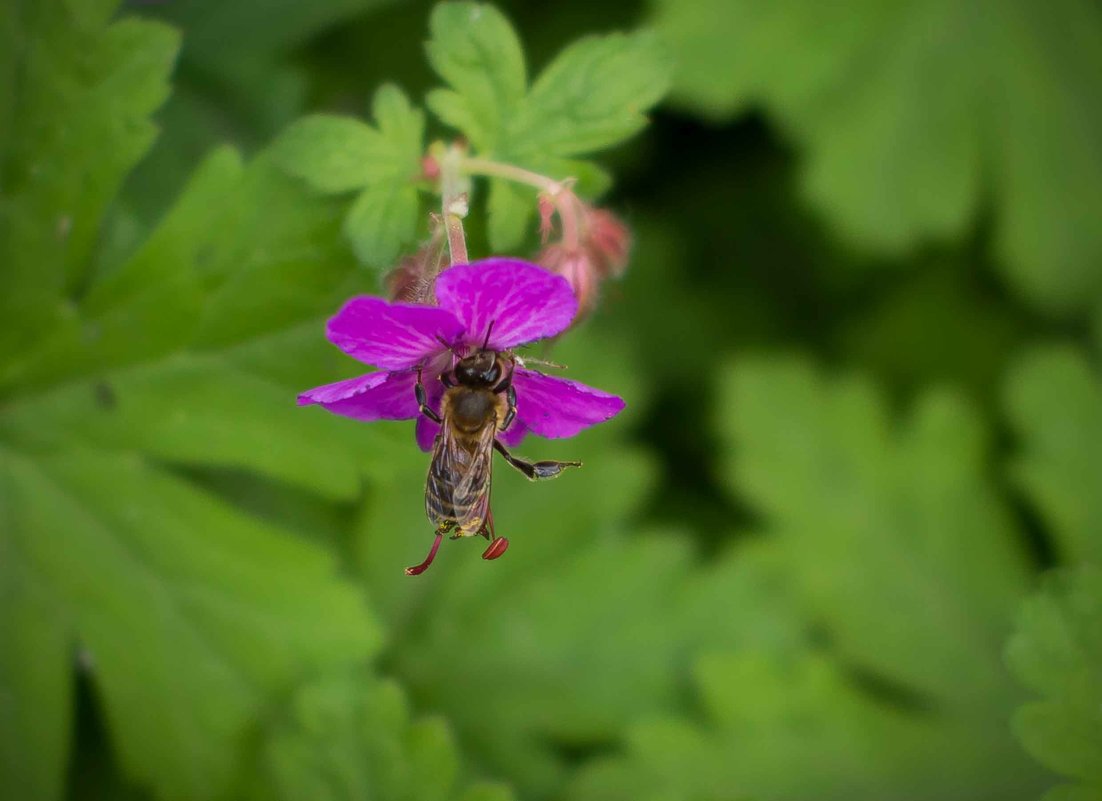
pixel 480 369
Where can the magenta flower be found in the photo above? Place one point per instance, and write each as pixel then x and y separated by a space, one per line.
pixel 504 303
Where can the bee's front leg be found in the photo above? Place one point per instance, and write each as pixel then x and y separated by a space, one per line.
pixel 511 399
pixel 422 400
pixel 534 471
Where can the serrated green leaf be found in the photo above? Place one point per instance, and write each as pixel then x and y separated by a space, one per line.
pixel 595 94
pixel 402 125
pixel 190 616
pixel 592 96
pixel 1057 652
pixel 474 48
pixel 912 113
pixel 1054 401
pixel 334 154
pixel 59 177
pixel 869 511
pixel 227 611
pixel 349 737
pixel 889 543
pixel 339 154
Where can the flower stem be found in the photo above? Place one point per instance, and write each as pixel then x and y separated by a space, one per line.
pixel 453 191
pixel 566 202
pixel 495 169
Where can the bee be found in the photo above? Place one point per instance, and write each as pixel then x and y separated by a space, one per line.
pixel 479 402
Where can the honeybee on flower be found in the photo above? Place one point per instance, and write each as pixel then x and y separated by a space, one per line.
pixel 452 367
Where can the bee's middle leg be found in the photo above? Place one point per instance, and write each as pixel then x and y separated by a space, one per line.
pixel 423 401
pixel 534 471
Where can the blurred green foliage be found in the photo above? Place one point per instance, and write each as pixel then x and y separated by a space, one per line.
pixel 1057 651
pixel 917 114
pixel 859 340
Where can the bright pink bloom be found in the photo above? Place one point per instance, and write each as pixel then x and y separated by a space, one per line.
pixel 522 302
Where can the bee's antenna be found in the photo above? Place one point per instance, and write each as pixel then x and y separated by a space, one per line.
pixel 489 331
pixel 443 341
pixel 524 361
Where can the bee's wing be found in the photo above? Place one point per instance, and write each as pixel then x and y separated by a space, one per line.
pixel 458 485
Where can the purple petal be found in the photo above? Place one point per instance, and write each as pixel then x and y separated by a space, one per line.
pixel 393 336
pixel 375 396
pixel 514 434
pixel 426 429
pixel 555 407
pixel 524 302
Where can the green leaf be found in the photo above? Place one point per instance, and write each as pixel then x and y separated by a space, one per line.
pixel 764 713
pixel 899 557
pixel 334 154
pixel 835 479
pixel 35 690
pixel 474 48
pixel 225 611
pixel 58 176
pixel 191 617
pixel 1057 653
pixel 340 154
pixel 1054 401
pixel 348 737
pixel 913 114
pixel 594 95
pixel 380 221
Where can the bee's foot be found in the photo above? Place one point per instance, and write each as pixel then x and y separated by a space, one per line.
pixel 417 570
pixel 551 469
pixel 496 548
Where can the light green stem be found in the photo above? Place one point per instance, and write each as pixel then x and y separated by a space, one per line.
pixel 567 204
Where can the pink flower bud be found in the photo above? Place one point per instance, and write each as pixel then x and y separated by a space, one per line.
pixel 547 211
pixel 578 269
pixel 608 241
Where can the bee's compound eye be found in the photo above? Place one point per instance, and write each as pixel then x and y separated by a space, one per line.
pixel 496 548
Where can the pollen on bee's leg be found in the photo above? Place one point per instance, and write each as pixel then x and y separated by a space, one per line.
pixel 417 570
pixel 496 548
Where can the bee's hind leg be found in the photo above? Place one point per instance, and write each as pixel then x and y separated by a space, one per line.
pixel 534 471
